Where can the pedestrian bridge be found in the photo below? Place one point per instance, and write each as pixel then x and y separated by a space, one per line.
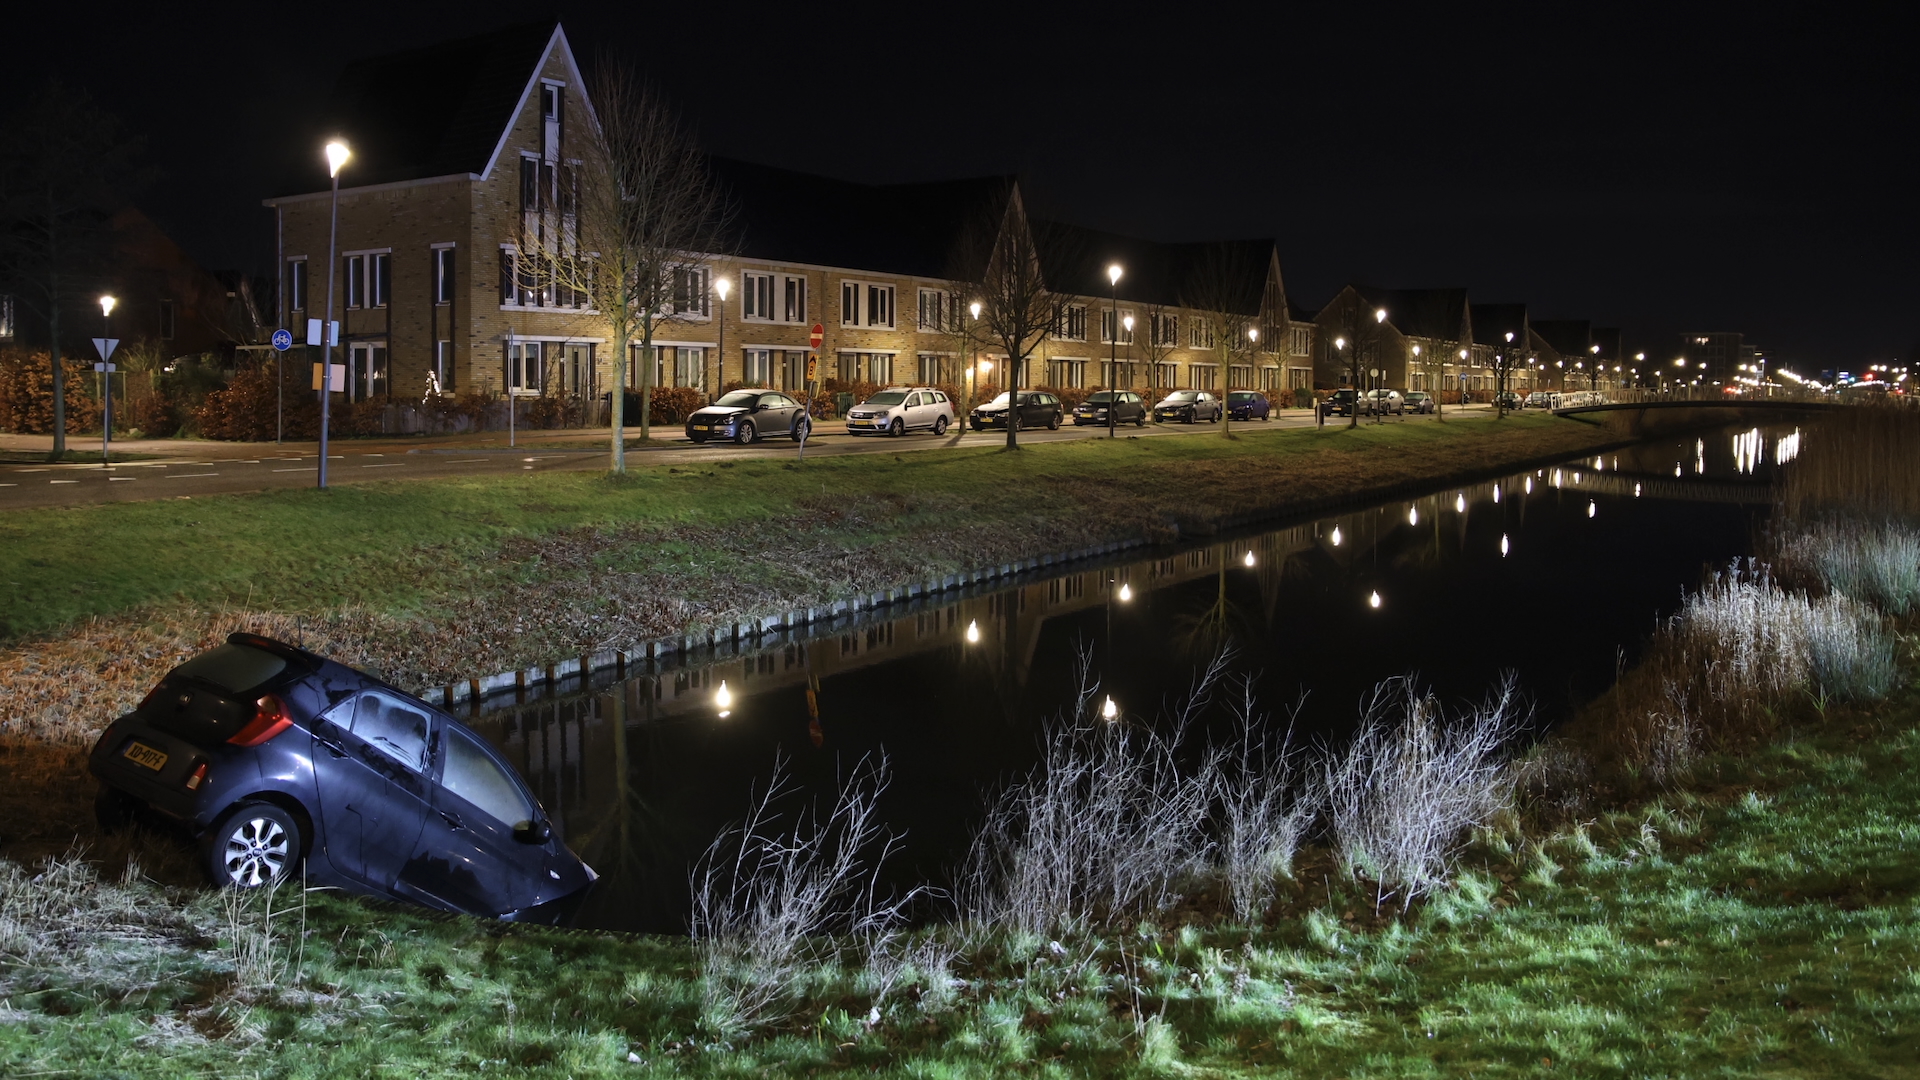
pixel 1656 417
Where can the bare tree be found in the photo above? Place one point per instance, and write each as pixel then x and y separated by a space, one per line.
pixel 67 167
pixel 1221 283
pixel 1162 337
pixel 1017 309
pixel 632 234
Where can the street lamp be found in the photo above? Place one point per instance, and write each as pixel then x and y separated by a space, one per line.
pixel 337 155
pixel 721 286
pixel 1113 348
pixel 106 375
pixel 1128 323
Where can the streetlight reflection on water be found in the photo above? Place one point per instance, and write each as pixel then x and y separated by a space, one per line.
pixel 973 631
pixel 1249 559
pixel 723 698
pixel 1374 600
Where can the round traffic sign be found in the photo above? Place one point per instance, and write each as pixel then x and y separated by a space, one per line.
pixel 819 334
pixel 282 340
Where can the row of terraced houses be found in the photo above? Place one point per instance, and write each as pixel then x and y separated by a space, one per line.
pixel 456 146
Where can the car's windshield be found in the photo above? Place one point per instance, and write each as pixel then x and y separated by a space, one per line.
pixel 1184 395
pixel 1100 398
pixel 738 399
pixel 886 397
pixel 1242 395
pixel 1001 400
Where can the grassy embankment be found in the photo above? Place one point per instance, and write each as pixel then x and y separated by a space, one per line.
pixel 432 581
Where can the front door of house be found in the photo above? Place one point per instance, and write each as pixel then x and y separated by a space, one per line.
pixel 367 370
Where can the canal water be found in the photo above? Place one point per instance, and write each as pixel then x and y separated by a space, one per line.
pixel 1557 575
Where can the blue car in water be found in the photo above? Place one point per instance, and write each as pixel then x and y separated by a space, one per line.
pixel 1248 405
pixel 272 756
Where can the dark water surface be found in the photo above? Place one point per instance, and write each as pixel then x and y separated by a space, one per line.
pixel 1558 575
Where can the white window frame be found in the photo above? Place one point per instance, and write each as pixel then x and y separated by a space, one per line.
pixel 1073 323
pixel 1165 329
pixel 298 282
pixel 445 274
pixel 863 293
pixel 944 317
pixel 761 358
pixel 780 287
pixel 704 291
pixel 1209 372
pixel 1200 336
pixel 1299 341
pixel 1111 320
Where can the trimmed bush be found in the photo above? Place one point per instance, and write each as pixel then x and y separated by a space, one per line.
pixel 26 393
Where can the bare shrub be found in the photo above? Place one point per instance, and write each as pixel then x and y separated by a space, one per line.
pixel 1106 826
pixel 764 893
pixel 1263 814
pixel 1403 795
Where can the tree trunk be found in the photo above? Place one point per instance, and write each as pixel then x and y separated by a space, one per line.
pixel 1013 400
pixel 645 382
pixel 617 400
pixel 59 378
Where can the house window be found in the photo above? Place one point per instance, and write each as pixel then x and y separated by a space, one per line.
pixel 166 320
pixel 380 278
pixel 356 281
pixel 691 295
pixel 864 303
pixel 507 272
pixel 1204 376
pixel 773 297
pixel 1200 336
pixel 443 275
pixel 756 367
pixel 1299 341
pixel 1240 377
pixel 756 296
pixel 1112 328
pixel 794 290
pixel 850 367
pixel 934 310
pixel 929 369
pixel 1165 329
pixel 1072 325
pixel 1164 376
pixel 366 370
pixel 1067 373
pixel 442 373
pixel 525 367
pixel 1300 378
pixel 880 368
pixel 529 185
pixel 549 101
pixel 297 284
pixel 690 366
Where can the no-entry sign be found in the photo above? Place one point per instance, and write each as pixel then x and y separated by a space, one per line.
pixel 819 335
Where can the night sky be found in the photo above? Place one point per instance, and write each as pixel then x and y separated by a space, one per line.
pixel 1661 169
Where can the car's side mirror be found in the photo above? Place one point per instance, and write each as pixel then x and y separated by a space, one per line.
pixel 537 831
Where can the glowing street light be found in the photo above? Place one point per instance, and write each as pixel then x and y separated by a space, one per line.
pixel 721 287
pixel 1126 592
pixel 337 155
pixel 1109 710
pixel 1374 600
pixel 1336 536
pixel 1113 353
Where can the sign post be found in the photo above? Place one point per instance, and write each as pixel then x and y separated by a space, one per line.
pixel 814 338
pixel 105 346
pixel 282 341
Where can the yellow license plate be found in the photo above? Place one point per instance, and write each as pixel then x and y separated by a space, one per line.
pixel 698 427
pixel 141 754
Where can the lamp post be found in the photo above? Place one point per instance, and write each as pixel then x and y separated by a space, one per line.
pixel 1128 323
pixel 337 155
pixel 721 287
pixel 1113 349
pixel 1377 374
pixel 106 377
pixel 1353 416
pixel 1226 406
pixel 973 371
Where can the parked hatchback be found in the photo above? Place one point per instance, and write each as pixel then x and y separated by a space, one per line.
pixel 1127 406
pixel 900 409
pixel 1419 401
pixel 1382 402
pixel 1187 407
pixel 745 415
pixel 1037 409
pixel 1339 403
pixel 271 756
pixel 1248 405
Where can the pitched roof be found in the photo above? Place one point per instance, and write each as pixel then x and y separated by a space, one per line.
pixel 1427 313
pixel 439 110
pixel 1075 260
pixel 1569 337
pixel 917 229
pixel 1492 323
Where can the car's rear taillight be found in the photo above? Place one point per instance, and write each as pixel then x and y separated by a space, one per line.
pixel 269 719
pixel 197 777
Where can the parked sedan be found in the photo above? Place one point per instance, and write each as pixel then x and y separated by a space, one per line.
pixel 1507 399
pixel 900 409
pixel 1382 402
pixel 272 756
pixel 1187 407
pixel 1127 408
pixel 1419 401
pixel 1037 409
pixel 1248 405
pixel 745 415
pixel 1339 403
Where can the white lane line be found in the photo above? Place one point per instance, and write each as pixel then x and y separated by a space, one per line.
pixel 33 470
pixel 189 476
pixel 9 485
pixel 112 479
pixel 373 455
pixel 63 481
pixel 246 461
pixel 388 465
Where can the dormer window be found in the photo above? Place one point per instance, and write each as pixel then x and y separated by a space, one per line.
pixel 550 101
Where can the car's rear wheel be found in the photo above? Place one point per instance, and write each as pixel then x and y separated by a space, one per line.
pixel 1140 421
pixel 253 845
pixel 1053 422
pixel 897 428
pixel 744 434
pixel 801 429
pixel 940 426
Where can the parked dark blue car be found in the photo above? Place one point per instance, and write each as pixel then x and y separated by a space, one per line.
pixel 1248 405
pixel 271 755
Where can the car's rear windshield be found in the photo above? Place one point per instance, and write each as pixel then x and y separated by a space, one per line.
pixel 887 397
pixel 234 668
pixel 739 399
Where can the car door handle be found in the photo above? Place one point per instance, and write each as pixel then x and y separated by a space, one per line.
pixel 451 819
pixel 332 748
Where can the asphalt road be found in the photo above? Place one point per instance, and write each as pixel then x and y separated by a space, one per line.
pixel 166 469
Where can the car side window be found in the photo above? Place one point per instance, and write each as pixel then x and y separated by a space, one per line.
pixel 472 774
pixel 913 400
pixel 393 727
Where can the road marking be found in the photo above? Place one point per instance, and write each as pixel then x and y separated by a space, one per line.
pixel 63 481
pixel 388 465
pixel 189 476
pixel 33 470
pixel 466 461
pixel 247 461
pixel 9 485
pixel 373 455
pixel 304 468
pixel 111 479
